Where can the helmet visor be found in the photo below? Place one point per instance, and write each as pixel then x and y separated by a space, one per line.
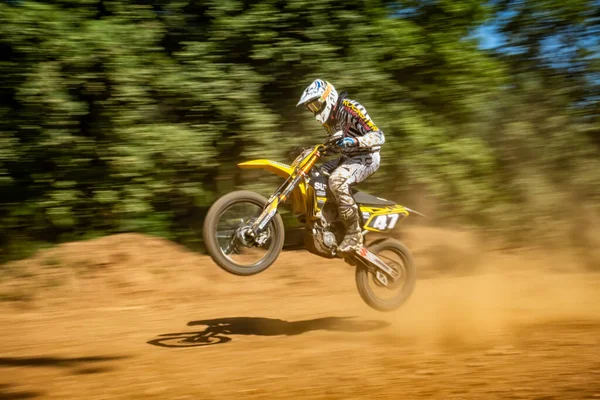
pixel 316 106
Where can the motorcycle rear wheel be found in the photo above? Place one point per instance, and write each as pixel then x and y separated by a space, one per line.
pixel 405 285
pixel 212 235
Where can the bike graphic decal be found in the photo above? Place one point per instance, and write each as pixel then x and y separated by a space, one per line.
pixel 374 260
pixel 380 219
pixel 267 215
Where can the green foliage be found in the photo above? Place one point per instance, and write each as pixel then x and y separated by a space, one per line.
pixel 130 115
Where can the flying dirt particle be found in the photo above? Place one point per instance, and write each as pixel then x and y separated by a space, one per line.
pixel 475 364
pixel 247 391
pixel 502 351
pixel 155 391
pixel 127 308
pixel 424 372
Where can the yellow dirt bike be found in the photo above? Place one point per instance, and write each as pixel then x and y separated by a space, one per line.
pixel 244 233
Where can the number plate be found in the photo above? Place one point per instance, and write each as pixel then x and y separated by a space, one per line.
pixel 383 222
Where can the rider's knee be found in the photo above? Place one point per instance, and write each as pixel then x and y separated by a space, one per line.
pixel 348 212
pixel 337 183
pixel 334 182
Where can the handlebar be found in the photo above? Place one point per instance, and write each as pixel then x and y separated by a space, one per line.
pixel 328 145
pixel 331 141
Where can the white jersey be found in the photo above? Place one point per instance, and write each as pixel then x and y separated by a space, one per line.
pixel 352 120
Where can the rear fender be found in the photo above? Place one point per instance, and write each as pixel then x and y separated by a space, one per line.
pixel 381 219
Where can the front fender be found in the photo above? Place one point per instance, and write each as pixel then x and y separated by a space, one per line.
pixel 300 196
pixel 277 168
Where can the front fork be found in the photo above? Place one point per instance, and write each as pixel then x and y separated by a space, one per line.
pixel 282 194
pixel 273 204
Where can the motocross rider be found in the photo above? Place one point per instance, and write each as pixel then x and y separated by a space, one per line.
pixel 359 141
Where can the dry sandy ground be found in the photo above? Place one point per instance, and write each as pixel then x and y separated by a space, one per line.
pixel 130 317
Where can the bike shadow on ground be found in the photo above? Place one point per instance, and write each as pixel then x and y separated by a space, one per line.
pixel 220 330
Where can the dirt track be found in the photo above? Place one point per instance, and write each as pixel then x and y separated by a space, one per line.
pixel 114 322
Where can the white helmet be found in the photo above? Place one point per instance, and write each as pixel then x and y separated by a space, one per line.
pixel 319 97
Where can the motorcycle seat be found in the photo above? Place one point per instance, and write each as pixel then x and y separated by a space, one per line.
pixel 369 199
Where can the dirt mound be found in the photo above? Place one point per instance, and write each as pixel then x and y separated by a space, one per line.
pixel 120 264
pixel 123 250
pixel 130 263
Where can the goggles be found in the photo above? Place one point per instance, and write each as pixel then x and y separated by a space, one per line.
pixel 316 106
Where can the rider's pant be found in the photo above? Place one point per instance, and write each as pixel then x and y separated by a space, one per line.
pixel 346 171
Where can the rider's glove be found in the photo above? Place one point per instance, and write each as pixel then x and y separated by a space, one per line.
pixel 347 142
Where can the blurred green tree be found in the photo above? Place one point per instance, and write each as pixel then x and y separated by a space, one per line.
pixel 131 114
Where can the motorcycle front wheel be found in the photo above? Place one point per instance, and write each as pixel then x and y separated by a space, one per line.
pixel 225 238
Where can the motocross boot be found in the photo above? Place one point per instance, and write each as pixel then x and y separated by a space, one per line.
pixel 353 241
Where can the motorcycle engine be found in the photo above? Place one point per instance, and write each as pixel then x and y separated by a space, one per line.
pixel 325 233
pixel 319 240
pixel 329 239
